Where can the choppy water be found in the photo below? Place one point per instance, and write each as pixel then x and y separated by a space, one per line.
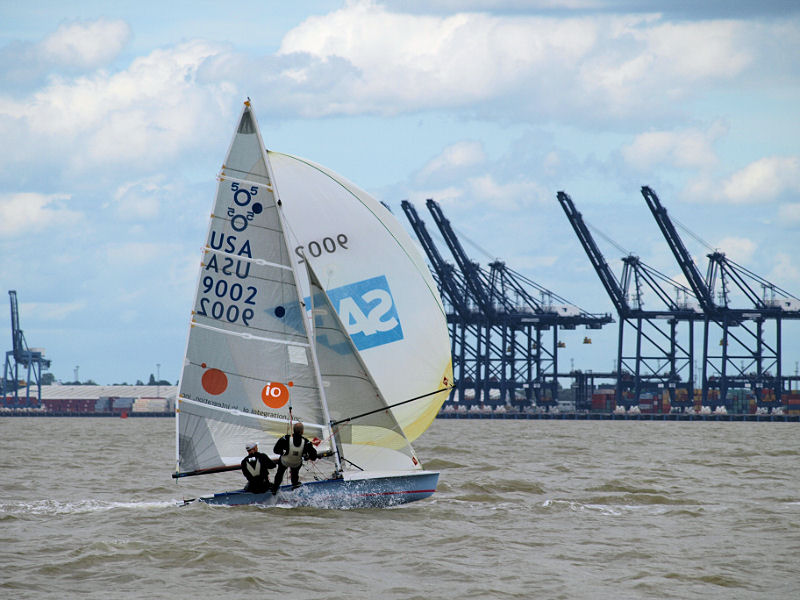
pixel 525 509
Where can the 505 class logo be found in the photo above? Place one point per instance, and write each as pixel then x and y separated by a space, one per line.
pixel 368 312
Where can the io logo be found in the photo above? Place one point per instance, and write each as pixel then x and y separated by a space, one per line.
pixel 275 394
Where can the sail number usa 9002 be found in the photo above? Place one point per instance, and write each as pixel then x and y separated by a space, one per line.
pixel 235 292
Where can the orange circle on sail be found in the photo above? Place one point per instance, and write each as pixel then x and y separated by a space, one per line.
pixel 214 381
pixel 275 394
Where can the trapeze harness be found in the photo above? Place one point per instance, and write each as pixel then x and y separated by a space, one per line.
pixel 294 458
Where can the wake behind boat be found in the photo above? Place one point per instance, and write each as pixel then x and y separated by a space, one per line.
pixel 312 305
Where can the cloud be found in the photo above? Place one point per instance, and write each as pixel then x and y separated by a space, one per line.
pixel 135 118
pixel 511 196
pixel 763 180
pixel 74 47
pixel 86 44
pixel 724 9
pixel 22 214
pixel 785 272
pixel 684 148
pixel 617 67
pixel 740 250
pixel 453 159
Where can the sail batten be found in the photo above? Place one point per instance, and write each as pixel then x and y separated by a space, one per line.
pixel 250 336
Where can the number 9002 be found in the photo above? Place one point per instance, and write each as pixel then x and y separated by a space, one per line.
pixel 315 248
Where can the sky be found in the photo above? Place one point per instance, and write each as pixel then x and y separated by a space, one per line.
pixel 115 117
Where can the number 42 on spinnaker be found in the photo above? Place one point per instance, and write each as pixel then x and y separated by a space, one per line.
pixel 313 304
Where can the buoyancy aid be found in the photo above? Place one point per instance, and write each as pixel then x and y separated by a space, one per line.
pixel 294 458
pixel 253 466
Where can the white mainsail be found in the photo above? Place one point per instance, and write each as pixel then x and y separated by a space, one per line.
pixel 378 282
pixel 248 358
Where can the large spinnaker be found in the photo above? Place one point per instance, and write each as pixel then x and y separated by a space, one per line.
pixel 378 283
pixel 248 356
pixel 375 441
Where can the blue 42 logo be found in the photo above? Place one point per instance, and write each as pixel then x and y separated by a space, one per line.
pixel 368 312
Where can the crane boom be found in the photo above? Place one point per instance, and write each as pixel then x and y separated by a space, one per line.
pixel 599 263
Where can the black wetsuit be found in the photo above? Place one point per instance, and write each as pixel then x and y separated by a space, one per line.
pixel 255 468
pixel 282 448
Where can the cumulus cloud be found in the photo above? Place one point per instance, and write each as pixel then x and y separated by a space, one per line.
pixel 454 158
pixel 86 44
pixel 136 117
pixel 603 67
pixel 25 213
pixel 785 272
pixel 509 196
pixel 738 249
pixel 763 180
pixel 475 181
pixel 74 47
pixel 683 148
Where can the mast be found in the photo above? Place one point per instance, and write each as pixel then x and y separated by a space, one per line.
pixel 293 262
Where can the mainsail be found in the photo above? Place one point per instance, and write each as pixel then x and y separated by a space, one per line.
pixel 248 360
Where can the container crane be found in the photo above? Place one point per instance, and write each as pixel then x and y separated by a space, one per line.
pixel 758 364
pixel 659 356
pixel 742 329
pixel 20 355
pixel 507 342
pixel 463 317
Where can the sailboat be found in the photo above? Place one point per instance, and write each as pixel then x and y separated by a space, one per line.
pixel 314 305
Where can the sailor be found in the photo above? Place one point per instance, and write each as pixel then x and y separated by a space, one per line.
pixel 293 450
pixel 255 467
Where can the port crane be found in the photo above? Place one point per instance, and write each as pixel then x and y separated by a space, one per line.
pixel 659 356
pixel 746 358
pixel 20 356
pixel 463 317
pixel 501 319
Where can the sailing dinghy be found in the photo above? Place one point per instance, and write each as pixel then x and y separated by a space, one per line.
pixel 314 305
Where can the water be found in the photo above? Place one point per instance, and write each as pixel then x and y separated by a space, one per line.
pixel 525 509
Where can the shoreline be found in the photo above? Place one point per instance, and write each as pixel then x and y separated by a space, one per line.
pixel 504 416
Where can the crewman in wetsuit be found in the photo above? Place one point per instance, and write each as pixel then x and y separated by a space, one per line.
pixel 255 467
pixel 293 450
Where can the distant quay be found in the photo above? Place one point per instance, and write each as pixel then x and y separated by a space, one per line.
pixel 610 416
pixel 39 413
pixel 563 416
